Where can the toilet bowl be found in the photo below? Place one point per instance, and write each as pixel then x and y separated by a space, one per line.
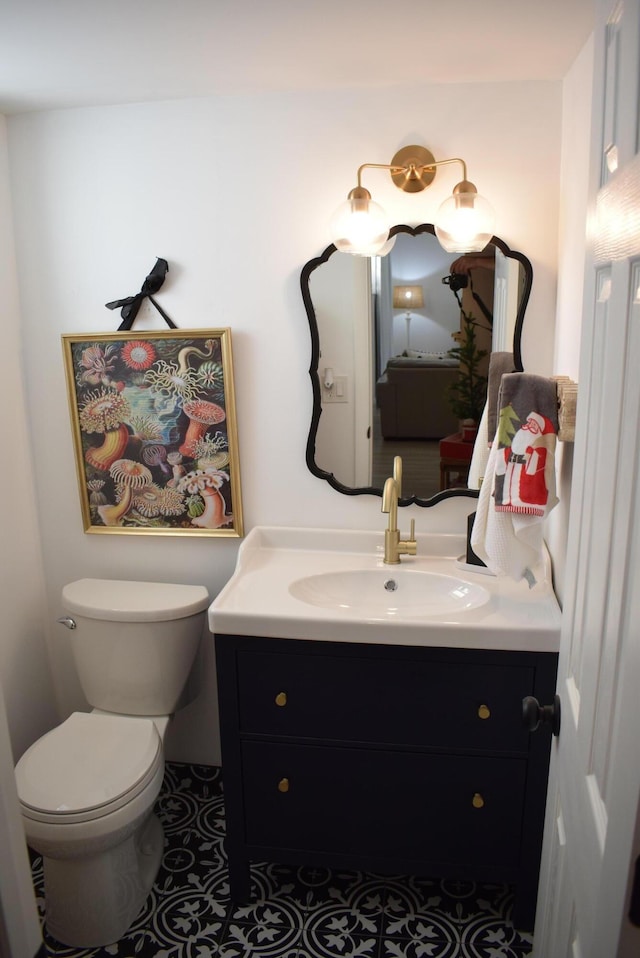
pixel 87 787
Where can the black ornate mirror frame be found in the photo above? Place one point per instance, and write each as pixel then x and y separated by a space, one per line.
pixel 315 356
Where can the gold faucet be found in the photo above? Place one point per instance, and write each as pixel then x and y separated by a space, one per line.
pixel 394 546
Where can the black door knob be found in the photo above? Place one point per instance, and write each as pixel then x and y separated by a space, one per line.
pixel 534 714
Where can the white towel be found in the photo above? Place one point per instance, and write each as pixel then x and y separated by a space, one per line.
pixel 507 545
pixel 518 491
pixel 480 454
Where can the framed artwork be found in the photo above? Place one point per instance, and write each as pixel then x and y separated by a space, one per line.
pixel 155 434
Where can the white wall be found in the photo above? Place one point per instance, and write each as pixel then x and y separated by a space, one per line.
pixel 27 706
pixel 24 666
pixel 423 262
pixel 576 132
pixel 237 192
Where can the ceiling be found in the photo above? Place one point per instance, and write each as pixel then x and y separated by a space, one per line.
pixel 69 53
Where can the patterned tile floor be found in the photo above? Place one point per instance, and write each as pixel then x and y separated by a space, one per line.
pixel 294 913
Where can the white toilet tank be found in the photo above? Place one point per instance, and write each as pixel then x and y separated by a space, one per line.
pixel 134 643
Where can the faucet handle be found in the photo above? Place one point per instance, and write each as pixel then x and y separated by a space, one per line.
pixel 409 546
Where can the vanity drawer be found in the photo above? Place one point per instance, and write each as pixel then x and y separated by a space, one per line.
pixel 397 806
pixel 423 701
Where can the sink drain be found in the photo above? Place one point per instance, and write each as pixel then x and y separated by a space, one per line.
pixel 391 585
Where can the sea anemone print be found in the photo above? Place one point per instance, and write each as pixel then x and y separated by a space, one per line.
pixel 211 377
pixel 167 379
pixel 202 414
pixel 138 354
pixel 97 365
pixel 103 410
pixel 145 429
pixel 206 483
pixel 130 476
pixel 96 495
pixel 212 451
pixel 151 501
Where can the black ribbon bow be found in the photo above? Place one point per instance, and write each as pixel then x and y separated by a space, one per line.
pixel 129 307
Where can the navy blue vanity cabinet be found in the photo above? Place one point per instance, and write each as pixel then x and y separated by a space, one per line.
pixel 406 760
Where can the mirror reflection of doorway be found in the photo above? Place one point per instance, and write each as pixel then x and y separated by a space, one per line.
pixel 416 319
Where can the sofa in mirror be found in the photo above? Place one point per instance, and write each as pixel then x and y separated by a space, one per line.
pixel 387 335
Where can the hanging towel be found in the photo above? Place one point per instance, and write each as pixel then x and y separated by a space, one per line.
pixel 526 432
pixel 519 487
pixel 499 364
pixel 480 454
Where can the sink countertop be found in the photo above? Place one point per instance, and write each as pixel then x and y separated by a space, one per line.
pixel 257 600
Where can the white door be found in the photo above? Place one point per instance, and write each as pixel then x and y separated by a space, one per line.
pixel 591 835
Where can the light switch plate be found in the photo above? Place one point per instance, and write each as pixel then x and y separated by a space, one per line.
pixel 337 393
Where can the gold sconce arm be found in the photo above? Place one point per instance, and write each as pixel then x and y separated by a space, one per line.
pixel 413 168
pixel 463 224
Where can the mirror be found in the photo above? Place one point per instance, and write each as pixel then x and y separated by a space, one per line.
pixel 382 374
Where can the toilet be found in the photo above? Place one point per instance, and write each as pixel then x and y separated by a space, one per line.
pixel 87 787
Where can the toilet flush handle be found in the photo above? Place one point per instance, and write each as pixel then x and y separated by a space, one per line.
pixel 68 621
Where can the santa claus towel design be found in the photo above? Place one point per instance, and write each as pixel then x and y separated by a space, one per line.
pixel 526 437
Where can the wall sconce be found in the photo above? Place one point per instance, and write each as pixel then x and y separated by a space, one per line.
pixel 408 298
pixel 463 224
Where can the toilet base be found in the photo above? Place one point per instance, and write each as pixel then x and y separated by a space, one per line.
pixel 93 901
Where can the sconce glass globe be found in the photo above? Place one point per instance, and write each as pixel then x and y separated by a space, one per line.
pixel 386 247
pixel 464 223
pixel 359 226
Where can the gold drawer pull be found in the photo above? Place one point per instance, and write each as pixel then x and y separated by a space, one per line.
pixel 478 800
pixel 484 712
pixel 283 785
pixel 281 698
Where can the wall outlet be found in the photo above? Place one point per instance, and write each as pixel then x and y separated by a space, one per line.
pixel 337 392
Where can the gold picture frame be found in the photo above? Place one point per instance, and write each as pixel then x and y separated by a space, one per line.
pixel 155 432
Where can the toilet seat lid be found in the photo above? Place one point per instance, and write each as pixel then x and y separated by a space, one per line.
pixel 88 762
pixel 114 600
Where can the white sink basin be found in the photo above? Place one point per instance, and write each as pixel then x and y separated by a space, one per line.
pixel 329 585
pixel 394 592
